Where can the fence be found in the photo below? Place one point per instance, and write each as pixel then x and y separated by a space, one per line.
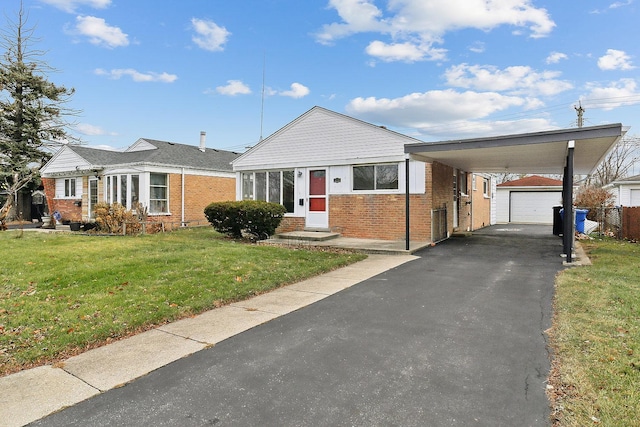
pixel 619 222
pixel 608 221
pixel 631 223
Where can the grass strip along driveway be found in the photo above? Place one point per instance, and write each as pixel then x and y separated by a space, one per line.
pixel 61 294
pixel 596 339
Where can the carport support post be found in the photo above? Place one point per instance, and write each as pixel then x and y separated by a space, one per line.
pixel 406 200
pixel 567 201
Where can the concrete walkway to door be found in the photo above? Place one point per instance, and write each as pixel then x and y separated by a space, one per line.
pixel 453 338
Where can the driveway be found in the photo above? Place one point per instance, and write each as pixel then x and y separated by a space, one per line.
pixel 453 338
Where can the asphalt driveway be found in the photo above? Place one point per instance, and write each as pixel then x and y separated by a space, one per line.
pixel 454 338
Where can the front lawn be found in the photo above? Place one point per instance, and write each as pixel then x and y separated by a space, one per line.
pixel 596 339
pixel 61 294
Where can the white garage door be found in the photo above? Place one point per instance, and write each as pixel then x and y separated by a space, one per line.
pixel 534 207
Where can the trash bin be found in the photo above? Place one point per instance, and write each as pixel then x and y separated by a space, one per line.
pixel 557 221
pixel 581 215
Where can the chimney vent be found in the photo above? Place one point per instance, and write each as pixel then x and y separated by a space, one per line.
pixel 203 140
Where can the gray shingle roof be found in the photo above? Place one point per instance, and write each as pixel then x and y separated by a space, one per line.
pixel 167 153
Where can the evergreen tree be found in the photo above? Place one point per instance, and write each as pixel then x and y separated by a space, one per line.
pixel 32 113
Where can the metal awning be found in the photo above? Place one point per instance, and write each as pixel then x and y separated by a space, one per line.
pixel 532 153
pixel 568 152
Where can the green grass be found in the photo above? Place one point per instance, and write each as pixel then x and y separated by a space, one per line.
pixel 63 293
pixel 596 339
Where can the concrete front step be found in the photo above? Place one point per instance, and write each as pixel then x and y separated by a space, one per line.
pixel 312 236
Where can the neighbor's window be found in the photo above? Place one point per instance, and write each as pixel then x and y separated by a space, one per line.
pixel 158 193
pixel 70 187
pixel 272 186
pixel 375 177
pixel 485 187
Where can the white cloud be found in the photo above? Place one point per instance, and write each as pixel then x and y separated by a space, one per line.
pixel 614 5
pixel 70 6
pixel 99 32
pixel 516 80
pixel 615 60
pixel 89 130
pixel 423 23
pixel 617 94
pixel 446 113
pixel 137 76
pixel 407 52
pixel 209 35
pixel 436 106
pixel 297 91
pixel 555 57
pixel 233 87
pixel 618 4
pixel 477 47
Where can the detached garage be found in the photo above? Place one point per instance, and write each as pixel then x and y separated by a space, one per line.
pixel 528 200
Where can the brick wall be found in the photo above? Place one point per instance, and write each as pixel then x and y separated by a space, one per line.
pixel 68 208
pixel 439 185
pixel 380 216
pixel 199 191
pixel 50 191
pixel 481 205
pixel 291 223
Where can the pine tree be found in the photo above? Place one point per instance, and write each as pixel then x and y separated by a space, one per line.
pixel 32 111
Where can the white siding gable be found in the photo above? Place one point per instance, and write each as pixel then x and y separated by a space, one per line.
pixel 141 145
pixel 65 160
pixel 324 138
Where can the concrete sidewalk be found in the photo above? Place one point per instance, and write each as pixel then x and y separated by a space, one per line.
pixel 35 393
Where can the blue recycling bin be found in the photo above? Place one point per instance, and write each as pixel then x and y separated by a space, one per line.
pixel 581 216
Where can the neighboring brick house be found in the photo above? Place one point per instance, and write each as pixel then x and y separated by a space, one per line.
pixel 334 172
pixel 173 181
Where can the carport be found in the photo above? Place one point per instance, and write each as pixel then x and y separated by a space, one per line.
pixel 568 152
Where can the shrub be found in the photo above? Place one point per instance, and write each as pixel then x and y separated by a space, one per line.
pixel 110 218
pixel 592 197
pixel 254 217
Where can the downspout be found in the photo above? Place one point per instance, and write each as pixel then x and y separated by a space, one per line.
pixel 182 219
pixel 406 197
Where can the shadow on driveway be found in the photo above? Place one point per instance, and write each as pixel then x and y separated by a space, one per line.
pixel 453 338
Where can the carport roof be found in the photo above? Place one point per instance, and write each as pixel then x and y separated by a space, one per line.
pixel 537 153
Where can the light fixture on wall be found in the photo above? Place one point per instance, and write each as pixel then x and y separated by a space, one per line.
pixel 337 180
pixel 96 173
pixel 299 174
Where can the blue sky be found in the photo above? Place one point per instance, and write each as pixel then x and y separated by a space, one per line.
pixel 431 69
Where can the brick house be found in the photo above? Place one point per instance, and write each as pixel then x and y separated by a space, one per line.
pixel 334 172
pixel 173 181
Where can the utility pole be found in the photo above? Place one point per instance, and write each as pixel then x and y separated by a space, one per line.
pixel 580 112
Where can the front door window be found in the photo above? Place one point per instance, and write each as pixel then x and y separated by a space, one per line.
pixel 317 191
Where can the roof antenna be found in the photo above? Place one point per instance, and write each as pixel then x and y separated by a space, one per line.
pixel 264 60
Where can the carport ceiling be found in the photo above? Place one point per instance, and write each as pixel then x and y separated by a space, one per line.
pixel 539 153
